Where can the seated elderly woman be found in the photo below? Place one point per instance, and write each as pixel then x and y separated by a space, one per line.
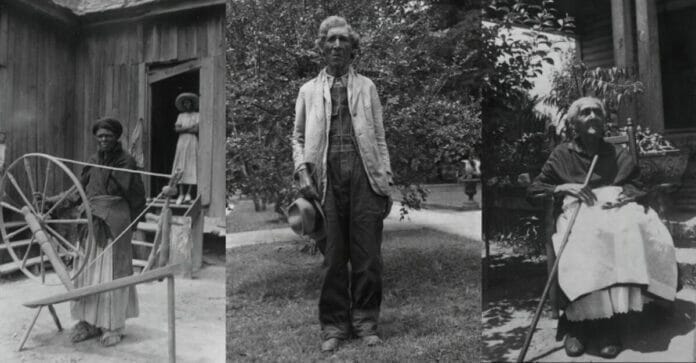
pixel 619 255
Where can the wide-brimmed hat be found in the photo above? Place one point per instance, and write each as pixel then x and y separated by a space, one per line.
pixel 307 219
pixel 186 96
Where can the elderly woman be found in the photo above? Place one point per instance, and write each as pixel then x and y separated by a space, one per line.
pixel 341 160
pixel 116 198
pixel 619 255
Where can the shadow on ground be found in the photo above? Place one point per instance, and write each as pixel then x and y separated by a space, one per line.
pixel 510 298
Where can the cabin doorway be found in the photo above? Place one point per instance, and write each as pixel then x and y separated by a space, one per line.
pixel 163 115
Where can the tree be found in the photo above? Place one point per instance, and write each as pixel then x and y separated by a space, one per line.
pixel 422 55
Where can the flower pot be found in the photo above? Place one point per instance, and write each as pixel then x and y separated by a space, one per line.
pixel 663 167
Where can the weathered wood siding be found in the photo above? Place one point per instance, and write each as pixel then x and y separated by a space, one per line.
pixel 111 60
pixel 37 68
pixel 596 42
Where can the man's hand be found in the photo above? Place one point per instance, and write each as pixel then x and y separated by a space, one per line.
pixel 306 185
pixel 584 193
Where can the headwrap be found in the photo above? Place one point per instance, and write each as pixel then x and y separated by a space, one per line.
pixel 110 124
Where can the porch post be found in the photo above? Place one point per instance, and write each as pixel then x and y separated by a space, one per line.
pixel 624 46
pixel 650 106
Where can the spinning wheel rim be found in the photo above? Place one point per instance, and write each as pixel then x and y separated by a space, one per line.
pixel 8 181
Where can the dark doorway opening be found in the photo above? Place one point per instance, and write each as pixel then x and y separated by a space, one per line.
pixel 163 114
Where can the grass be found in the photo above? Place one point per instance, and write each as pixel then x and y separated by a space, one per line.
pixel 430 309
pixel 244 218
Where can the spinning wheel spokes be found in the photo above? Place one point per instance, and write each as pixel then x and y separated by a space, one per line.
pixel 30 179
pixel 10 207
pixel 19 191
pixel 61 200
pixel 35 238
pixel 65 243
pixel 45 187
pixel 17 231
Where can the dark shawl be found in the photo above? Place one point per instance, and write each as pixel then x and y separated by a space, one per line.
pixel 129 186
pixel 569 163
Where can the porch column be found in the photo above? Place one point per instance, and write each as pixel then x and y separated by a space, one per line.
pixel 650 106
pixel 624 46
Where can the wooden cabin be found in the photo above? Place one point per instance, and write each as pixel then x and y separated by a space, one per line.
pixel 658 39
pixel 66 63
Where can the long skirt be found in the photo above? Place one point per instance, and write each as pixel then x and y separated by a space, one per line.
pixel 108 310
pixel 615 259
pixel 186 157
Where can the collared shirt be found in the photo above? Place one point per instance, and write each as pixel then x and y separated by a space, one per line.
pixel 569 163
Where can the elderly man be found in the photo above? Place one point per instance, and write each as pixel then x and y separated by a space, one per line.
pixel 341 160
pixel 619 255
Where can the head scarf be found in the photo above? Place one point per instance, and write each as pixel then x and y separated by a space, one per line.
pixel 110 124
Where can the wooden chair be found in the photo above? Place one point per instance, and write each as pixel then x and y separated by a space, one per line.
pixel 551 214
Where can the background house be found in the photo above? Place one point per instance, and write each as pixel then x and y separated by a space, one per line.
pixel 657 38
pixel 65 63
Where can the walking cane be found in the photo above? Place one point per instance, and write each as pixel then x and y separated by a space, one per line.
pixel 545 294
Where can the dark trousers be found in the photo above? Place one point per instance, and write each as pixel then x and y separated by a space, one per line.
pixel 351 298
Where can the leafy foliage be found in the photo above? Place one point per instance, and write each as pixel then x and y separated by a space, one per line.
pixel 615 86
pixel 514 133
pixel 507 108
pixel 422 55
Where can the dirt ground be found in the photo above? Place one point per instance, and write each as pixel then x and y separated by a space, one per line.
pixel 200 326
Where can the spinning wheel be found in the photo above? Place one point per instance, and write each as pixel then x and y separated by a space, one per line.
pixel 29 223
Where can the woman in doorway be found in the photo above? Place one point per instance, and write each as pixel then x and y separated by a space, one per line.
pixel 187 146
pixel 116 198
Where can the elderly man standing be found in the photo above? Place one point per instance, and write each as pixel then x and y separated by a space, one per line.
pixel 341 160
pixel 619 255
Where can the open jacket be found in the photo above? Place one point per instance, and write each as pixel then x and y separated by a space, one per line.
pixel 311 132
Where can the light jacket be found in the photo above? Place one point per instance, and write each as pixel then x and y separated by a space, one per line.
pixel 311 132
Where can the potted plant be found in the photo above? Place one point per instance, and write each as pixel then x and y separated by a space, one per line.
pixel 660 162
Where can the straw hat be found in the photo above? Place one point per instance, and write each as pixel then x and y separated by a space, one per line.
pixel 307 219
pixel 186 96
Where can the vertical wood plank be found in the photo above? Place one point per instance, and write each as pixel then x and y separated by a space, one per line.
pixel 213 38
pixel 205 132
pixel 183 38
pixel 4 66
pixel 140 43
pixel 650 105
pixel 46 49
pixel 143 112
pixel 202 39
pixel 218 193
pixel 624 49
pixel 108 87
pixel 4 34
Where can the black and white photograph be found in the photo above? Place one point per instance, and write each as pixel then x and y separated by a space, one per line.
pixel 589 178
pixel 353 176
pixel 347 181
pixel 112 122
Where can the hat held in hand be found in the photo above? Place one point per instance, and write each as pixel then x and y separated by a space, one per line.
pixel 307 219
